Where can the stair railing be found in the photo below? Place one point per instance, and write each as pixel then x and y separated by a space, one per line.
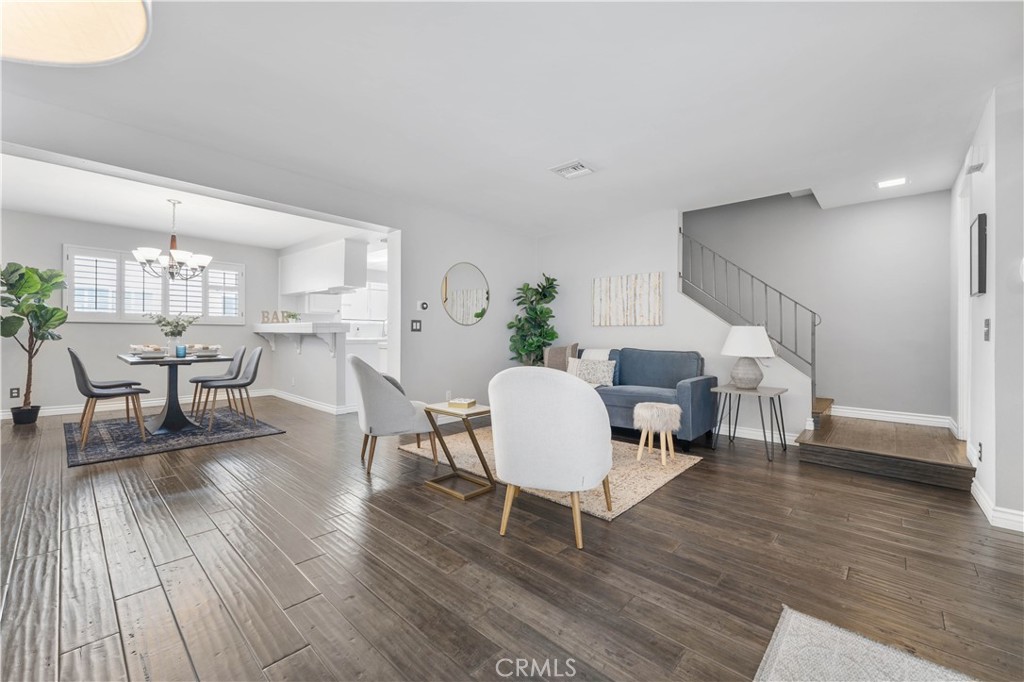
pixel 739 297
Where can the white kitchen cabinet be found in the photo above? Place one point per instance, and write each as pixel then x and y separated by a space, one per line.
pixel 370 303
pixel 336 266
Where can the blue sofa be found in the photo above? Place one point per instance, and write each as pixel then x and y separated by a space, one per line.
pixel 661 376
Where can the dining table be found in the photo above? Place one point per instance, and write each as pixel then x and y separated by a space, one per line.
pixel 171 418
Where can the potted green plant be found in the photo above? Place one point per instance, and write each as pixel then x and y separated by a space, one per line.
pixel 25 293
pixel 532 330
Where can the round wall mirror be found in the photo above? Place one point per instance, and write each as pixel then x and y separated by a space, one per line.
pixel 464 293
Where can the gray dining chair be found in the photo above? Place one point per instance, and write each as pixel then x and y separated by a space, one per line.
pixel 384 410
pixel 241 384
pixel 95 391
pixel 234 369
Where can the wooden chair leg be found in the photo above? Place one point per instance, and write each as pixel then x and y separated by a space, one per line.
pixel 373 446
pixel 248 398
pixel 239 402
pixel 608 493
pixel 516 495
pixel 137 404
pixel 213 410
pixel 640 450
pixel 90 407
pixel 433 446
pixel 206 403
pixel 231 403
pixel 510 496
pixel 418 443
pixel 85 408
pixel 577 519
pixel 127 414
pixel 362 451
pixel 195 399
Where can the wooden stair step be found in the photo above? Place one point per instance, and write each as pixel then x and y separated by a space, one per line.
pixel 822 406
pixel 915 453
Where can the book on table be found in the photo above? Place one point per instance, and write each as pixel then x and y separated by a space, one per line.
pixel 462 403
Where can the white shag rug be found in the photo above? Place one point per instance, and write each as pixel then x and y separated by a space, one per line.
pixel 631 481
pixel 805 649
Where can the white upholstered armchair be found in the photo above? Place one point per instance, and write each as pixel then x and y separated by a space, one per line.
pixel 551 432
pixel 384 410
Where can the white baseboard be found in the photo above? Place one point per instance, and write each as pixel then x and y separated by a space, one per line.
pixel 186 400
pixel 897 417
pixel 755 434
pixel 1000 517
pixel 314 404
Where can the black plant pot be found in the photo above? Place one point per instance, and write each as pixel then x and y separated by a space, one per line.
pixel 25 415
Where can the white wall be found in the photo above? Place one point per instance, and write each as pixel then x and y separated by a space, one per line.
pixel 37 240
pixel 997 366
pixel 648 243
pixel 877 273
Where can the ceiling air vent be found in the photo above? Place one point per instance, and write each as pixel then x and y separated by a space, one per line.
pixel 573 169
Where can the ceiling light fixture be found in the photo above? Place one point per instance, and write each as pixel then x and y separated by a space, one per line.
pixel 895 182
pixel 178 264
pixel 64 33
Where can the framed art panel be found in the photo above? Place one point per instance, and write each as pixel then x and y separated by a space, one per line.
pixel 979 238
pixel 627 300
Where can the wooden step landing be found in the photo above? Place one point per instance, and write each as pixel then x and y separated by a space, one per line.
pixel 925 454
pixel 820 408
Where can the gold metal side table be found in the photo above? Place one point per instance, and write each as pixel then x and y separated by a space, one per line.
pixel 481 486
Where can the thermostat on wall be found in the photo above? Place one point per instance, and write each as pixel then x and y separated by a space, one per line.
pixel 422 305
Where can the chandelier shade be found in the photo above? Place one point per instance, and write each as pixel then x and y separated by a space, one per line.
pixel 177 263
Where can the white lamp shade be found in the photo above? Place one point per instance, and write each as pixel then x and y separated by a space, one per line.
pixel 180 256
pixel 200 261
pixel 145 254
pixel 748 342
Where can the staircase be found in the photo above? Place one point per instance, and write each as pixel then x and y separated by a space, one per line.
pixel 915 453
pixel 740 298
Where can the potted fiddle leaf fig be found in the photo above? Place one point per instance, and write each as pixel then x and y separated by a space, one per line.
pixel 25 293
pixel 532 330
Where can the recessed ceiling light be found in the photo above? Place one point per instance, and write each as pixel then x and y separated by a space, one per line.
pixel 895 182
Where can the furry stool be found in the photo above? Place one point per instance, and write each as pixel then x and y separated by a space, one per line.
pixel 662 418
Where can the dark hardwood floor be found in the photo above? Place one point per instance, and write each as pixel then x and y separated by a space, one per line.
pixel 279 558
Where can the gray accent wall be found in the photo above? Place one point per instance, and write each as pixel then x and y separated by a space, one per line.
pixel 877 273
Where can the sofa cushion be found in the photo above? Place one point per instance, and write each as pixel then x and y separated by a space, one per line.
pixel 594 372
pixel 603 354
pixel 629 396
pixel 658 368
pixel 556 357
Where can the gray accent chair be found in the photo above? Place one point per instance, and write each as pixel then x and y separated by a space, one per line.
pixel 102 390
pixel 662 376
pixel 234 369
pixel 385 411
pixel 241 383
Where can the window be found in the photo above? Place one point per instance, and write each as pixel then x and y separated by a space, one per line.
pixel 110 286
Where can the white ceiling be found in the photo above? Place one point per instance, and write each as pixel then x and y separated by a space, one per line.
pixel 465 105
pixel 51 189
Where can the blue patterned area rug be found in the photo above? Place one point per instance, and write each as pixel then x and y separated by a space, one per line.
pixel 119 439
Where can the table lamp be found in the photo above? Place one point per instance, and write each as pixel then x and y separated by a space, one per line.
pixel 747 343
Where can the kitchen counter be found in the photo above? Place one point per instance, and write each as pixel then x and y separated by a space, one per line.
pixel 365 339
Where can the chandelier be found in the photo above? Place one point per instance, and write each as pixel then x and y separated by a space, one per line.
pixel 177 264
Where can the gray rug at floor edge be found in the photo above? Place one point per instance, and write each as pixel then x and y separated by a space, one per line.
pixel 113 439
pixel 806 649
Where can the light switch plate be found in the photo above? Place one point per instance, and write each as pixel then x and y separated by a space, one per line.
pixel 417 325
pixel 988 328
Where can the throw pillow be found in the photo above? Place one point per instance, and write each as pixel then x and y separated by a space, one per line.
pixel 594 372
pixel 556 357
